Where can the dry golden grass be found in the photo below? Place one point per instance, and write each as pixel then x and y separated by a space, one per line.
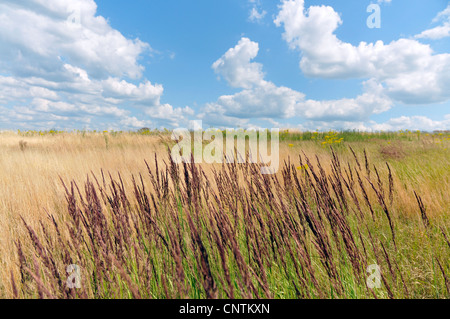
pixel 30 183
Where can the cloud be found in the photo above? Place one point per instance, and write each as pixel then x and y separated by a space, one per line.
pixel 37 30
pixel 261 99
pixel 134 122
pixel 441 31
pixel 421 123
pixel 213 114
pixel 265 100
pixel 256 15
pixel 372 101
pixel 413 123
pixel 409 70
pixel 235 66
pixel 61 61
pixel 121 89
pixel 169 116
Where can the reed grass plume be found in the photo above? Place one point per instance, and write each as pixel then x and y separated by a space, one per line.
pixel 139 225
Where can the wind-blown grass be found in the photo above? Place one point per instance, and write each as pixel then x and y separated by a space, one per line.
pixel 186 231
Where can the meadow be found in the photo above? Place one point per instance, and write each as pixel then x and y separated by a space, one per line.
pixel 140 226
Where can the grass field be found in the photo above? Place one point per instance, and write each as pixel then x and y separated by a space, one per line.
pixel 145 228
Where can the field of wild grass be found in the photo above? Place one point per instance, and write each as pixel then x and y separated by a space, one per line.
pixel 140 226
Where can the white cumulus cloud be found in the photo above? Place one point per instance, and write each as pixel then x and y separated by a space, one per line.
pixel 265 100
pixel 409 70
pixel 441 31
pixel 59 60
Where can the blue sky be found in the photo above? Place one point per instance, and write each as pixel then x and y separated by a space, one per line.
pixel 311 65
